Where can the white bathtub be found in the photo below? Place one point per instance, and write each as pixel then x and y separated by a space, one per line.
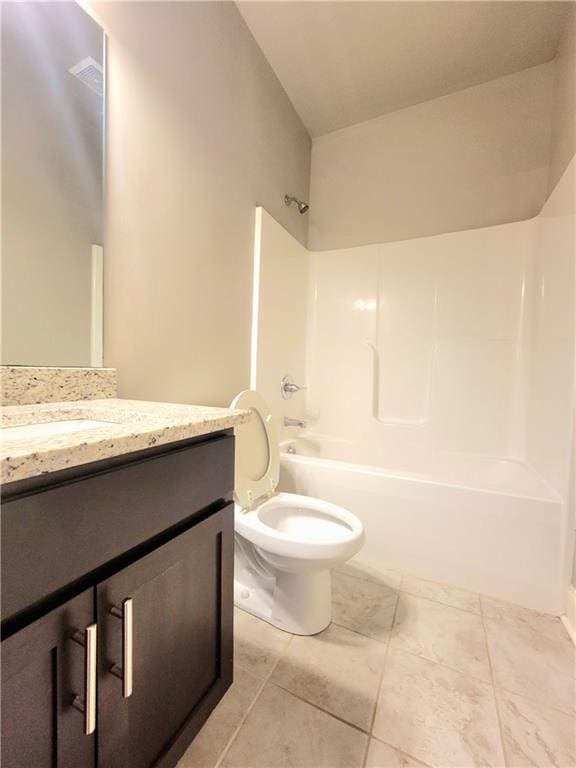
pixel 490 525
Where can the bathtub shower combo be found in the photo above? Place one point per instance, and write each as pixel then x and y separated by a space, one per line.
pixel 439 375
pixel 486 524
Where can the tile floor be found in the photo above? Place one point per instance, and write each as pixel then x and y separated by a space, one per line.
pixel 409 674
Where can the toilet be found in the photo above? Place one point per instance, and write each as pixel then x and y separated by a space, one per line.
pixel 285 544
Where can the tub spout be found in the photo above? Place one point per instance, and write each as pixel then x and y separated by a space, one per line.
pixel 288 422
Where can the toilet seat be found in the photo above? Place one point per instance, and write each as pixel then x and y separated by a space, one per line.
pixel 284 524
pixel 257 466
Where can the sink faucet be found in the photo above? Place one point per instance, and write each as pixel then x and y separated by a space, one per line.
pixel 288 422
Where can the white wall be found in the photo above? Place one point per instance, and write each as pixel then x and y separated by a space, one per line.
pixel 341 318
pixel 472 159
pixel 445 316
pixel 474 337
pixel 412 349
pixel 200 132
pixel 453 344
pixel 551 374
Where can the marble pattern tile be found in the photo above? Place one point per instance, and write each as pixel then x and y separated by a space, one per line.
pixel 534 735
pixel 319 691
pixel 220 726
pixel 337 670
pixel 437 715
pixel 524 618
pixel 363 606
pixel 442 593
pixel 443 634
pixel 385 576
pixel 257 644
pixel 282 731
pixel 381 755
pixel 532 664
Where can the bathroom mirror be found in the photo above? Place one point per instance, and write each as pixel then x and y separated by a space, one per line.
pixel 52 174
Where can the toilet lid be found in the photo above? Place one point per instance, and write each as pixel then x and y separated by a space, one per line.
pixel 257 454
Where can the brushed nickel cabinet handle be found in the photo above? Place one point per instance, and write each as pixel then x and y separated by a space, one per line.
pixel 87 704
pixel 126 671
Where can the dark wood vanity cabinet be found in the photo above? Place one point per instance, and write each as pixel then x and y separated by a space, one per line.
pixel 182 658
pixel 42 672
pixel 162 609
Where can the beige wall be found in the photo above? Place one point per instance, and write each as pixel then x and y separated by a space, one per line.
pixel 200 132
pixel 472 159
pixel 564 104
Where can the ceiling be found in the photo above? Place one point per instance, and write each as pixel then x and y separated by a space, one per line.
pixel 345 62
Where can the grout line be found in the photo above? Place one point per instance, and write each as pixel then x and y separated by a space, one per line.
pixel 495 698
pixel 364 731
pixel 400 588
pixel 397 749
pixel 381 680
pixel 441 602
pixel 536 702
pixel 363 634
pixel 265 680
pixel 519 626
pixel 371 581
pixel 498 687
pixel 447 584
pixel 509 604
pixel 375 707
pixel 388 645
pixel 312 704
pixel 371 637
pixel 478 594
pixel 419 656
pixel 443 666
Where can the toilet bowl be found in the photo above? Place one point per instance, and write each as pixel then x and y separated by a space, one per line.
pixel 285 544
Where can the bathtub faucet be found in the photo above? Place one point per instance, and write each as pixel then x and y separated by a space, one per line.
pixel 288 422
pixel 288 387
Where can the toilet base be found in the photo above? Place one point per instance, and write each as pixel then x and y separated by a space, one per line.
pixel 299 603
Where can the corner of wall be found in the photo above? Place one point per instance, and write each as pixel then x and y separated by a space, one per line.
pixel 563 134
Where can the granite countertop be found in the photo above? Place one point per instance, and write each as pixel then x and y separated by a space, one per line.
pixel 137 425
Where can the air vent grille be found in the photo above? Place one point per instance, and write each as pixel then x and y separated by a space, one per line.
pixel 90 73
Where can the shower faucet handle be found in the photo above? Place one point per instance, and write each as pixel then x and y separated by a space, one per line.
pixel 288 387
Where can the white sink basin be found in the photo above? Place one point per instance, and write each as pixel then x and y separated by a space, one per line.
pixel 48 428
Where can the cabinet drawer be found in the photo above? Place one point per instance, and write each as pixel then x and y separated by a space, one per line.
pixel 59 534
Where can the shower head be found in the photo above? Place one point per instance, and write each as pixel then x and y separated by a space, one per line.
pixel 302 206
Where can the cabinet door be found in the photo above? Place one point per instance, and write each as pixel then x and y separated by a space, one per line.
pixel 165 622
pixel 43 670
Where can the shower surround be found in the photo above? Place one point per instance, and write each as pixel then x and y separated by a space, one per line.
pixel 440 375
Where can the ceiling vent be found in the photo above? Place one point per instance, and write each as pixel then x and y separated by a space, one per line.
pixel 90 73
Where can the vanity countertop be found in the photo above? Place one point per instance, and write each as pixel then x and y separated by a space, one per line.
pixel 136 425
